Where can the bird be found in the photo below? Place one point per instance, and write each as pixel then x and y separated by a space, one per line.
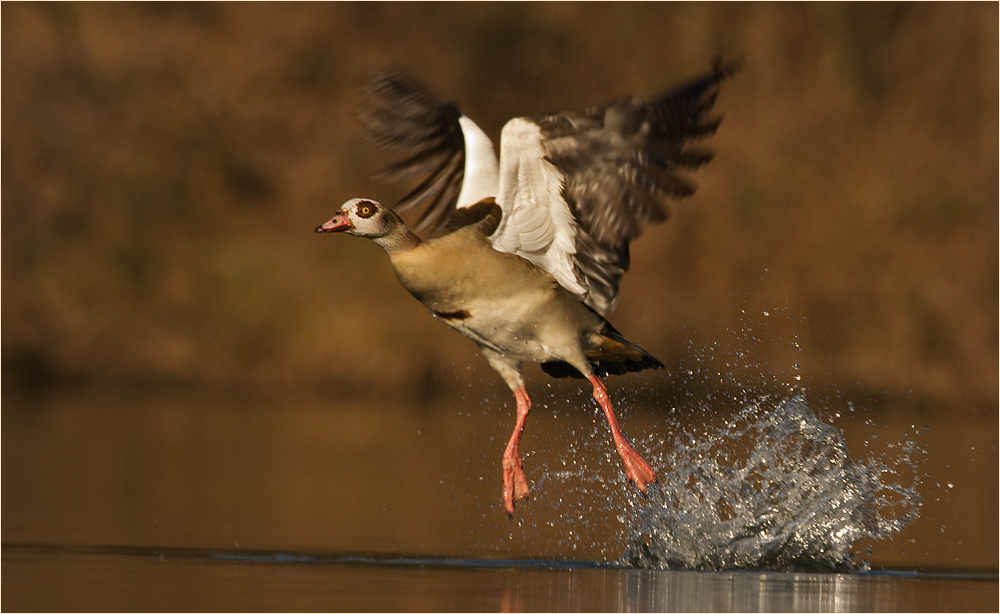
pixel 526 252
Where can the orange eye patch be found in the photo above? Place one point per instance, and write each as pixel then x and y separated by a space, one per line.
pixel 365 210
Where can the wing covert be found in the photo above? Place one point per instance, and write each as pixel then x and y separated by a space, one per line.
pixel 618 164
pixel 575 188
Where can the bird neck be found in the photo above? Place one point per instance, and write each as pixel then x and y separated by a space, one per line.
pixel 399 239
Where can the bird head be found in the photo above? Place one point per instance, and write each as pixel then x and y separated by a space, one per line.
pixel 363 218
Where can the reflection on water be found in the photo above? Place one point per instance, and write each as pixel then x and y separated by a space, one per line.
pixel 141 579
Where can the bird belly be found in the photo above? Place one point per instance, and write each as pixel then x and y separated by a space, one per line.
pixel 516 340
pixel 500 301
pixel 520 329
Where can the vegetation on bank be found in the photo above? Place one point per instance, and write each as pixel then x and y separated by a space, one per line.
pixel 164 165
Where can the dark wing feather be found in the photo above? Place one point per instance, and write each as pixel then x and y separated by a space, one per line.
pixel 401 116
pixel 483 217
pixel 622 161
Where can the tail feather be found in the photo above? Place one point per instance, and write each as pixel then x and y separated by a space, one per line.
pixel 610 353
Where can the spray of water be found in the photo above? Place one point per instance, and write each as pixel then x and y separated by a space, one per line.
pixel 773 488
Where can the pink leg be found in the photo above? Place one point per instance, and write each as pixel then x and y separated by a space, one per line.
pixel 637 469
pixel 515 486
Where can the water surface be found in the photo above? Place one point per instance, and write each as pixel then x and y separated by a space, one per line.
pixel 160 500
pixel 182 580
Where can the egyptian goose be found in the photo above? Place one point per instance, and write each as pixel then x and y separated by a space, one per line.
pixel 530 252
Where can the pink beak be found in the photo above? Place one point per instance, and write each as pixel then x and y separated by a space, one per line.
pixel 337 223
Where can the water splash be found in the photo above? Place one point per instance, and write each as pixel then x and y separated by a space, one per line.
pixel 772 488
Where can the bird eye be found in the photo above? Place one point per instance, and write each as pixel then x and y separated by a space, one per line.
pixel 365 210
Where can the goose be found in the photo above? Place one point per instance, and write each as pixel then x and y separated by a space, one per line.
pixel 527 253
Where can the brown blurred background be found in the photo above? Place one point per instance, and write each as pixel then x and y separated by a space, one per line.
pixel 164 165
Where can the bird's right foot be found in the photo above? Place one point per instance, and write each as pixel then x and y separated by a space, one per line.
pixel 636 468
pixel 515 485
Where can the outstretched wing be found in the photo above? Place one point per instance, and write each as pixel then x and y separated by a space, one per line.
pixel 452 156
pixel 577 187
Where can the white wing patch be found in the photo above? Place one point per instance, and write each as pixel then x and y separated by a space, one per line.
pixel 481 171
pixel 537 223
